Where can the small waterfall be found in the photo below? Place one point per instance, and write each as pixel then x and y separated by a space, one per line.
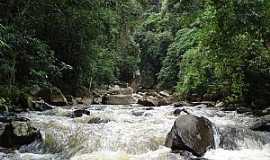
pixel 216 136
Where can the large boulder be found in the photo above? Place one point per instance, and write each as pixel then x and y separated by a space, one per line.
pixel 119 99
pixel 191 133
pixel 15 132
pixel 53 96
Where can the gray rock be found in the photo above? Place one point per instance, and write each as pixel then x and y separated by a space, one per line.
pixel 15 132
pixel 191 133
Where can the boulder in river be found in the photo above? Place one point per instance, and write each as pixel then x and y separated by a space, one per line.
pixel 80 113
pixel 15 132
pixel 191 133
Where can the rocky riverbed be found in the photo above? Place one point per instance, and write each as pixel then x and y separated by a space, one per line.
pixel 133 132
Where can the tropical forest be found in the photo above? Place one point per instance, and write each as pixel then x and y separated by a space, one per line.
pixel 134 79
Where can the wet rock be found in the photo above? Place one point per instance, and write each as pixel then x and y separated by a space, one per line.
pixel 178 111
pixel 149 108
pixel 119 99
pixel 17 131
pixel 53 96
pixel 80 113
pixel 262 124
pixel 41 106
pixel 191 133
pixel 97 120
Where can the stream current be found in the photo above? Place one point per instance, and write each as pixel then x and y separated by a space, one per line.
pixel 135 133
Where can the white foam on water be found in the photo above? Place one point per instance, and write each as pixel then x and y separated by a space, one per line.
pixel 243 154
pixel 130 137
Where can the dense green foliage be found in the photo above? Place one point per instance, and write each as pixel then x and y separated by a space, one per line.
pixel 67 43
pixel 220 49
pixel 215 49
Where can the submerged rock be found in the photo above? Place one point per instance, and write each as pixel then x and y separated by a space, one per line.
pixel 15 132
pixel 191 133
pixel 80 113
pixel 97 120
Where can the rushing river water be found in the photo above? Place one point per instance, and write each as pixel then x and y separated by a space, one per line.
pixel 135 133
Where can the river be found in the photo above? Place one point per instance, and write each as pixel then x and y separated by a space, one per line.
pixel 135 133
